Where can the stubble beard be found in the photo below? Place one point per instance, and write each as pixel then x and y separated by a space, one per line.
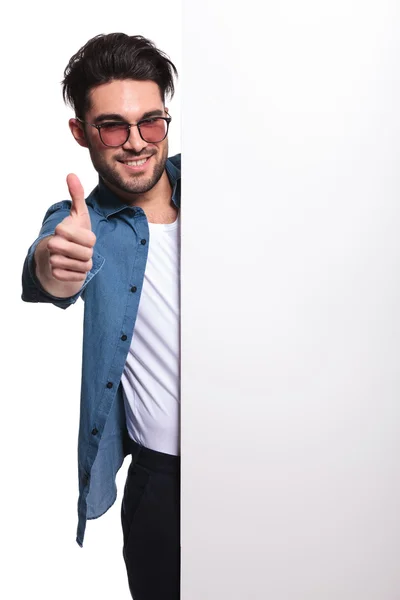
pixel 134 184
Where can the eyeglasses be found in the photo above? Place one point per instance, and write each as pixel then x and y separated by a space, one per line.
pixel 114 134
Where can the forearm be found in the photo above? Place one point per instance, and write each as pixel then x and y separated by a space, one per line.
pixel 59 289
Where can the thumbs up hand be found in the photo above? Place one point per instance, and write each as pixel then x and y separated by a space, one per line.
pixel 71 247
pixel 79 209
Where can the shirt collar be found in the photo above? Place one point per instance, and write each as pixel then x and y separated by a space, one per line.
pixel 106 203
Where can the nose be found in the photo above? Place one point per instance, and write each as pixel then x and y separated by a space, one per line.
pixel 134 141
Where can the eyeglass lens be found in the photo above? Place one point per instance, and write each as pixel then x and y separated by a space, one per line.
pixel 116 134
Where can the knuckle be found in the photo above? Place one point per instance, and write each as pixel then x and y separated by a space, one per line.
pixel 51 244
pixel 60 229
pixel 57 274
pixel 55 244
pixel 88 254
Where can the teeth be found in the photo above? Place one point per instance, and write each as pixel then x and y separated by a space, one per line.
pixel 136 163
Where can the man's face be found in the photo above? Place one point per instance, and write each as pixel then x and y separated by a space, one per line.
pixel 128 101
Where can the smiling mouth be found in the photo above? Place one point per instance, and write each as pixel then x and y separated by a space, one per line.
pixel 135 163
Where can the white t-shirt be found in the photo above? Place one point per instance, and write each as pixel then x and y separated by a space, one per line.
pixel 151 377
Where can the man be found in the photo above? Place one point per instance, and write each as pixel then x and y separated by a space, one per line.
pixel 114 249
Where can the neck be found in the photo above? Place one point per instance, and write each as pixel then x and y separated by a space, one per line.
pixel 156 203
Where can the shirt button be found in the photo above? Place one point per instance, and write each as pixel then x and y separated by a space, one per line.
pixel 124 337
pixel 109 385
pixel 143 242
pixel 133 288
pixel 95 431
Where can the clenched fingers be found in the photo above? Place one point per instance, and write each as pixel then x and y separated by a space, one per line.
pixel 59 245
pixel 63 275
pixel 69 264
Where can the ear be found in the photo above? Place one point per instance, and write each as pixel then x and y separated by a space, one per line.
pixel 78 132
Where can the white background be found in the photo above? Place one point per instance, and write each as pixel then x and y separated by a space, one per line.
pixel 42 344
pixel 291 320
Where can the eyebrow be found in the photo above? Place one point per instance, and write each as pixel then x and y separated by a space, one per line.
pixel 118 117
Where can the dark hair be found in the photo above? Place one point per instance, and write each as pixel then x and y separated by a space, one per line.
pixel 115 56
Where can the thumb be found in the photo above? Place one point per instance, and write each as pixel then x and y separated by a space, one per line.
pixel 79 207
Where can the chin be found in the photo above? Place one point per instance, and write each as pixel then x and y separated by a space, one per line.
pixel 141 186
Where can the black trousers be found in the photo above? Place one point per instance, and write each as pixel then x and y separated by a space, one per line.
pixel 150 517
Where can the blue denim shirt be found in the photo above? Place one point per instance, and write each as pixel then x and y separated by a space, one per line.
pixel 111 293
